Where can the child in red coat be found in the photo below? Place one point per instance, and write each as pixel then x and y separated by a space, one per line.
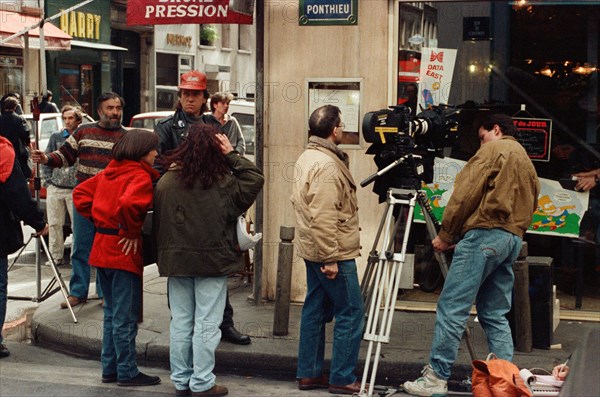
pixel 117 200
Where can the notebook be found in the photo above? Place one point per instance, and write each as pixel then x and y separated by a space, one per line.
pixel 541 385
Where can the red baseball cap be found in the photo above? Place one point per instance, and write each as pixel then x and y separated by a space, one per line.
pixel 193 80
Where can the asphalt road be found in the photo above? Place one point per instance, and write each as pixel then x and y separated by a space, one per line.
pixel 34 371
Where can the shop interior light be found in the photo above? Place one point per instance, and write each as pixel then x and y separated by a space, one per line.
pixel 546 71
pixel 472 68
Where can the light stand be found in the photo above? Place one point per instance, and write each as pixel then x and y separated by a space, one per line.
pixel 383 275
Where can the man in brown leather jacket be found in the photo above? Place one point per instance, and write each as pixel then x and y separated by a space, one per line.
pixel 489 211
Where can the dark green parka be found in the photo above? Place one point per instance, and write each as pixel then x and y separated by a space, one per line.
pixel 195 228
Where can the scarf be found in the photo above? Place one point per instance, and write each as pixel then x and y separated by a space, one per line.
pixel 315 141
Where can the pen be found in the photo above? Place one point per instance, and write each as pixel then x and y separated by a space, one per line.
pixel 564 365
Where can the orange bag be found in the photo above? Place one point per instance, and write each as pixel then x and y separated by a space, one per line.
pixel 495 377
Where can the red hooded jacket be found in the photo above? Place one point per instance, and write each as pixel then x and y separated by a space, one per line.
pixel 117 200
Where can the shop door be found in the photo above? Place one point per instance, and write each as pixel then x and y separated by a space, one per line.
pixel 87 88
pixel 76 86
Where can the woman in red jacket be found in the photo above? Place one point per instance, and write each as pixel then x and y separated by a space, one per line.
pixel 117 200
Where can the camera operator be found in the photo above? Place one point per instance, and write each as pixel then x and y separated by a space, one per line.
pixel 15 203
pixel 489 211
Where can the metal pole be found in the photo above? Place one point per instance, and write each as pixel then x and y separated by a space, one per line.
pixel 37 180
pixel 259 120
pixel 281 317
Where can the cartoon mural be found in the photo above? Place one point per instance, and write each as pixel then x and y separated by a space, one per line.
pixel 559 211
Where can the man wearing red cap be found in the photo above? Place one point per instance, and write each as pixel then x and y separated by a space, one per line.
pixel 171 131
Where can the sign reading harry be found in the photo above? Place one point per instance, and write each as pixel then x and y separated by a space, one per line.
pixel 166 12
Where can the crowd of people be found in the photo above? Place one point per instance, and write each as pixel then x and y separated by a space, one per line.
pixel 107 177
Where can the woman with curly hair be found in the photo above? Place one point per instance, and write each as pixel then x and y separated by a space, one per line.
pixel 196 204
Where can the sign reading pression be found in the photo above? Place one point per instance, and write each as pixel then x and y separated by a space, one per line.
pixel 165 12
pixel 535 136
pixel 328 12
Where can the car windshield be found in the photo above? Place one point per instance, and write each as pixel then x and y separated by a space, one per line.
pixel 247 123
pixel 149 122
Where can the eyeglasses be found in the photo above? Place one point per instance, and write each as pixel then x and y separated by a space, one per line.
pixel 342 125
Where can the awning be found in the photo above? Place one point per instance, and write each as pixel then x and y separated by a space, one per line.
pixel 13 22
pixel 97 46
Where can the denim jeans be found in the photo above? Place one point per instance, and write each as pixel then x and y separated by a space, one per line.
pixel 122 303
pixel 3 290
pixel 481 272
pixel 326 299
pixel 197 305
pixel 83 238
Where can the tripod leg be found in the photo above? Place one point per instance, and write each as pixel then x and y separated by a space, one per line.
pixel 366 286
pixel 20 252
pixel 385 292
pixel 58 277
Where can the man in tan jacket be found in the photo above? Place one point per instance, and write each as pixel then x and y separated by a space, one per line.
pixel 324 199
pixel 489 211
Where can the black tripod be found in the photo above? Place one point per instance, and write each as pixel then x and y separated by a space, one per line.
pixel 41 243
pixel 386 271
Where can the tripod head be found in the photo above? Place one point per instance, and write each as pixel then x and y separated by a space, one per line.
pixel 410 157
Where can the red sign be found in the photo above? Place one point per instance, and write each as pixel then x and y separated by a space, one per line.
pixel 535 136
pixel 174 12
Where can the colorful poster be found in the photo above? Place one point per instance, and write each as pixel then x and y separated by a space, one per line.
pixel 164 12
pixel 559 211
pixel 435 77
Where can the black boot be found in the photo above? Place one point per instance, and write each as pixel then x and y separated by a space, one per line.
pixel 232 335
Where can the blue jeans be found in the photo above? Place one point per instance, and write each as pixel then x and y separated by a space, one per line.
pixel 326 299
pixel 83 238
pixel 481 272
pixel 122 303
pixel 3 290
pixel 197 305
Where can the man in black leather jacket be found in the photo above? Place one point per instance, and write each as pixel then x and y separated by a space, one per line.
pixel 171 131
pixel 15 204
pixel 15 128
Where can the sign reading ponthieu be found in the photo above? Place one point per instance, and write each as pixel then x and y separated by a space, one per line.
pixel 535 136
pixel 435 77
pixel 174 12
pixel 328 12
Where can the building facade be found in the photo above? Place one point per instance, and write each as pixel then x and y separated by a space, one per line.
pixel 536 57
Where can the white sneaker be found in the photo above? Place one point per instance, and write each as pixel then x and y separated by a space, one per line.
pixel 427 385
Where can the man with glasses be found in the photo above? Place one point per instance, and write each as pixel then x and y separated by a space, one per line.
pixel 324 200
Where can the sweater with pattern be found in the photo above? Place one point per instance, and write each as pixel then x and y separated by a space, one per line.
pixel 92 145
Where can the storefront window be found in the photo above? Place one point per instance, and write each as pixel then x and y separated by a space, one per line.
pixel 526 59
pixel 11 73
pixel 76 86
pixel 167 69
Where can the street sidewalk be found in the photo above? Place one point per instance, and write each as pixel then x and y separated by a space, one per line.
pixel 269 355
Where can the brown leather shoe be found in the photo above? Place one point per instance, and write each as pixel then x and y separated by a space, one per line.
pixel 73 300
pixel 321 382
pixel 215 391
pixel 348 389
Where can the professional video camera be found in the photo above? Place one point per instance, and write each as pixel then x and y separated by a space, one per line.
pixel 396 134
